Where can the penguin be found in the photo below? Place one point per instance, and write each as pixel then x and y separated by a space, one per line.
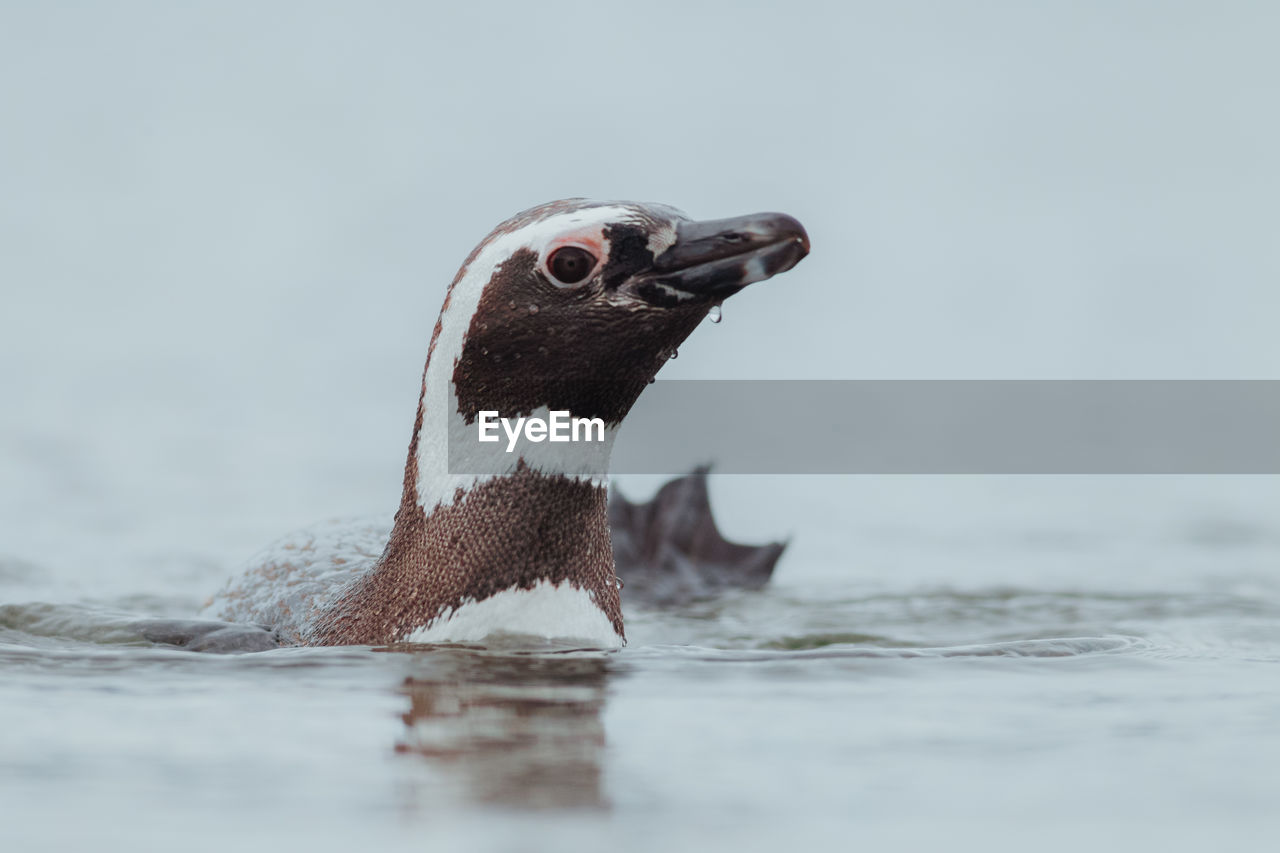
pixel 569 307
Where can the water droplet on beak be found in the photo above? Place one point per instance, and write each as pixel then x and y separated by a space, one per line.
pixel 713 313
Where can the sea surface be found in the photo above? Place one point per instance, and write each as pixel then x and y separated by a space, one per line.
pixel 1051 682
pixel 225 234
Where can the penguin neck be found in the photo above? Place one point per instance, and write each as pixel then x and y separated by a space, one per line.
pixel 463 538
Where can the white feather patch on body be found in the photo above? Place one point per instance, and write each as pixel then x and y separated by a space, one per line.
pixel 440 417
pixel 547 611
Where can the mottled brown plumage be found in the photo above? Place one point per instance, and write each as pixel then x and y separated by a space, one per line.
pixel 505 533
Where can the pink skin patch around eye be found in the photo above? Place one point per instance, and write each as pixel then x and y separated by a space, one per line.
pixel 591 239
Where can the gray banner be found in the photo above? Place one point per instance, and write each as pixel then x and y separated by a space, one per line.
pixel 940 427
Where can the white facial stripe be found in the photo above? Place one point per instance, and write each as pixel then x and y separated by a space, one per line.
pixel 673 292
pixel 440 417
pixel 539 235
pixel 662 239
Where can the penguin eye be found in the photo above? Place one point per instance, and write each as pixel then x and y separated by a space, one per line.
pixel 571 264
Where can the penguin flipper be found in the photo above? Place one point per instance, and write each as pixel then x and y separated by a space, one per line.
pixel 669 551
pixel 206 635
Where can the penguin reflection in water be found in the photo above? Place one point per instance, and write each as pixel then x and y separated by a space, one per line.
pixel 570 306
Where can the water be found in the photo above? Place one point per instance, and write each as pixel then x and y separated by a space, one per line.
pixel 879 706
pixel 227 233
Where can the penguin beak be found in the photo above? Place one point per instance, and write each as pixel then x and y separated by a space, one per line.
pixel 719 257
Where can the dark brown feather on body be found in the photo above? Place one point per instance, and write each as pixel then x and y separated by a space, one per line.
pixel 511 532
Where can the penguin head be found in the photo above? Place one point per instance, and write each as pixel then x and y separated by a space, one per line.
pixel 576 305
